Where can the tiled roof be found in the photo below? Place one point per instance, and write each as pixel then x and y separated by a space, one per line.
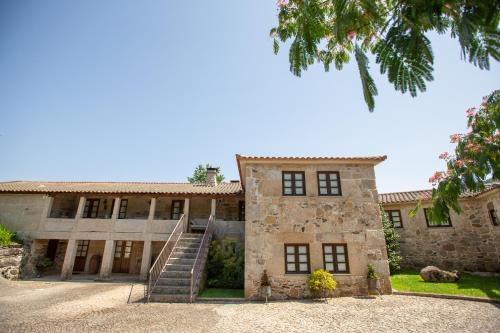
pixel 118 187
pixel 414 196
pixel 313 158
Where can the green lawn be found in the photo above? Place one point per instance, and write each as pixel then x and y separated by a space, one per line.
pixel 468 285
pixel 222 293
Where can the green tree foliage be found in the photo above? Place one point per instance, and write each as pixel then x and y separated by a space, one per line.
pixel 200 175
pixel 332 31
pixel 476 160
pixel 7 237
pixel 391 242
pixel 321 283
pixel 225 266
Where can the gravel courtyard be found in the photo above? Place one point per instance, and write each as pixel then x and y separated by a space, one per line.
pixel 36 306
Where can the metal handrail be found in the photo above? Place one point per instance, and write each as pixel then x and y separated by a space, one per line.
pixel 201 257
pixel 162 259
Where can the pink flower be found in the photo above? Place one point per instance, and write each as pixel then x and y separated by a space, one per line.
pixel 351 34
pixel 447 5
pixel 470 112
pixel 459 163
pixel 443 156
pixel 438 176
pixel 282 3
pixel 455 138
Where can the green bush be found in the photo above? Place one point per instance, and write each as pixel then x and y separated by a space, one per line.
pixel 7 237
pixel 391 242
pixel 372 275
pixel 225 266
pixel 321 283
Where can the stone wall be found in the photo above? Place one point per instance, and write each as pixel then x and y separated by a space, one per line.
pixel 273 220
pixel 10 261
pixel 472 243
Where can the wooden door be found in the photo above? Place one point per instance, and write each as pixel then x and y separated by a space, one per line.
pixel 81 255
pixel 121 262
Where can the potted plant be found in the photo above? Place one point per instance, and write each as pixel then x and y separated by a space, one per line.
pixel 321 283
pixel 265 285
pixel 373 279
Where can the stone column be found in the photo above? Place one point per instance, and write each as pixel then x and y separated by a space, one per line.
pixel 146 259
pixel 152 209
pixel 48 207
pixel 81 207
pixel 214 205
pixel 107 260
pixel 69 259
pixel 116 209
pixel 186 209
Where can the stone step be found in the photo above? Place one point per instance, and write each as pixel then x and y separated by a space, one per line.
pixel 172 290
pixel 174 282
pixel 178 267
pixel 187 245
pixel 181 261
pixel 169 298
pixel 176 274
pixel 184 255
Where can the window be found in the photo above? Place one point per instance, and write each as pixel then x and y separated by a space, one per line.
pixel 294 183
pixel 91 208
pixel 432 224
pixel 329 183
pixel 297 258
pixel 241 211
pixel 395 218
pixel 122 213
pixel 335 258
pixel 493 217
pixel 177 209
pixel 82 248
pixel 123 249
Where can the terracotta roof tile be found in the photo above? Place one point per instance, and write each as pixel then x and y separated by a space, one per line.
pixel 119 187
pixel 313 158
pixel 424 195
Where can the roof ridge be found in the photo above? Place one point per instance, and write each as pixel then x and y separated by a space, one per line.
pixel 401 192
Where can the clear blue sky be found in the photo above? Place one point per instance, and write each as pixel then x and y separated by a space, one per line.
pixel 146 90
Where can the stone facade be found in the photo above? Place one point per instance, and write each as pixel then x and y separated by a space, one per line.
pixel 10 261
pixel 472 243
pixel 273 220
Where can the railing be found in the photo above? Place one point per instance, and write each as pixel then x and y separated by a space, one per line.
pixel 201 257
pixel 164 256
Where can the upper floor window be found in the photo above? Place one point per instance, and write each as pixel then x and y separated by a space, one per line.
pixel 294 183
pixel 297 258
pixel 445 223
pixel 395 218
pixel 241 211
pixel 329 183
pixel 335 258
pixel 91 208
pixel 122 213
pixel 177 209
pixel 494 217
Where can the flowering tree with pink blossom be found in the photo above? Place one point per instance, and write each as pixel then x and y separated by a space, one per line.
pixel 476 159
pixel 334 31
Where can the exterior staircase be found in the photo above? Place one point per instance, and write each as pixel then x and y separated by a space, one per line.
pixel 174 282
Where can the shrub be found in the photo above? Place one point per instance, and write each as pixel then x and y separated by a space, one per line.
pixel 321 283
pixel 7 237
pixel 391 242
pixel 225 265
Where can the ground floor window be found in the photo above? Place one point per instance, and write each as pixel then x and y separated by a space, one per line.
pixel 335 258
pixel 297 258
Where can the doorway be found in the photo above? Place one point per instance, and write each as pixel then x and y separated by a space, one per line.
pixel 121 261
pixel 81 255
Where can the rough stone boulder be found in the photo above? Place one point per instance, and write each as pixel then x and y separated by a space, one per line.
pixel 435 274
pixel 10 261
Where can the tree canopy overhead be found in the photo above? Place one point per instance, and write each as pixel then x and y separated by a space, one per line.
pixel 334 31
pixel 200 175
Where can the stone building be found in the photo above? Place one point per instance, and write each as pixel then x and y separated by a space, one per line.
pixel 304 214
pixel 466 242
